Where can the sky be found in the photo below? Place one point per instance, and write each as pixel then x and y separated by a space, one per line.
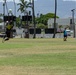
pixel 28 0
pixel 64 7
pixel 69 0
pixel 17 1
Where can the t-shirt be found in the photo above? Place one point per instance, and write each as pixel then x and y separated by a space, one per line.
pixel 65 32
pixel 9 26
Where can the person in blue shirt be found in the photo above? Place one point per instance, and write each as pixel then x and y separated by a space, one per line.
pixel 65 35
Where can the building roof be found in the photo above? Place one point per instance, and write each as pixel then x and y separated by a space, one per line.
pixel 65 21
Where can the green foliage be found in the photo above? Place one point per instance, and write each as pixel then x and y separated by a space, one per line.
pixel 41 26
pixel 60 26
pixel 19 22
pixel 44 18
pixel 23 6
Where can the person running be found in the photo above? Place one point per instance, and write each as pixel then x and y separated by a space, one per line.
pixel 65 35
pixel 9 26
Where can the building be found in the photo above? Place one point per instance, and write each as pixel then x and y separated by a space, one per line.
pixel 1 26
pixel 61 22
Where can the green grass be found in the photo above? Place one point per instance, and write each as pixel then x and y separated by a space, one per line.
pixel 38 57
pixel 63 59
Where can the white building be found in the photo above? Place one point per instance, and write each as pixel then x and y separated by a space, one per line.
pixel 2 26
pixel 61 22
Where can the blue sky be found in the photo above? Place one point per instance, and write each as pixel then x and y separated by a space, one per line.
pixel 64 7
pixel 46 6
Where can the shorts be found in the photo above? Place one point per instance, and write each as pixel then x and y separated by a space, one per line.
pixel 65 35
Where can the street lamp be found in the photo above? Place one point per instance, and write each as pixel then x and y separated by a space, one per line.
pixel 34 19
pixel 4 12
pixel 14 8
pixel 10 12
pixel 73 23
pixel 55 18
pixel 33 15
pixel 4 7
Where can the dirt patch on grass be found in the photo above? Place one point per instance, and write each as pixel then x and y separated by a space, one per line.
pixel 37 50
pixel 20 70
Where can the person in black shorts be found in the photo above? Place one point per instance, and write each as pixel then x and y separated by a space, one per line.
pixel 65 35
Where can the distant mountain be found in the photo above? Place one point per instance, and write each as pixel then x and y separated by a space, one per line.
pixel 45 6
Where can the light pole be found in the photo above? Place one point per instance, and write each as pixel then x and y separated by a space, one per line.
pixel 14 12
pixel 4 12
pixel 34 19
pixel 14 8
pixel 55 18
pixel 33 15
pixel 10 12
pixel 73 23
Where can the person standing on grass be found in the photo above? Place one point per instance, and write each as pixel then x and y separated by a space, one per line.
pixel 65 35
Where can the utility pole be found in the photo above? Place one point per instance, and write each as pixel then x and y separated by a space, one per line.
pixel 55 18
pixel 14 8
pixel 33 13
pixel 14 13
pixel 4 13
pixel 73 23
pixel 27 34
pixel 33 16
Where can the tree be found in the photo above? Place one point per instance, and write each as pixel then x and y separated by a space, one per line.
pixel 44 18
pixel 18 20
pixel 41 26
pixel 23 6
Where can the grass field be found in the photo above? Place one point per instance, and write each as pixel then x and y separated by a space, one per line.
pixel 38 57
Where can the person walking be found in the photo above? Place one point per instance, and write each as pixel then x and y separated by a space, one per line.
pixel 65 34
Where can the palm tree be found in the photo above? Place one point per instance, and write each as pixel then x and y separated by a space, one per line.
pixel 23 6
pixel 55 18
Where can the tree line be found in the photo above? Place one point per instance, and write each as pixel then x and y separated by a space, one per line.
pixel 41 20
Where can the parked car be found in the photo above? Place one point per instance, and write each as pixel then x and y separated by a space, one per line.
pixel 2 34
pixel 69 32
